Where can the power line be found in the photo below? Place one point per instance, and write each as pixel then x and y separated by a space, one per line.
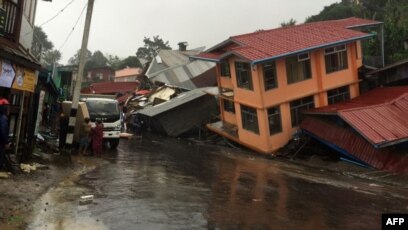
pixel 73 28
pixel 52 18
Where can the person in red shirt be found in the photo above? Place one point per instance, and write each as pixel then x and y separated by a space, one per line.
pixel 97 138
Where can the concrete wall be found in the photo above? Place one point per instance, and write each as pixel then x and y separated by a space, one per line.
pixel 260 99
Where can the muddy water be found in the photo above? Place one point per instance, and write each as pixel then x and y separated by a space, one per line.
pixel 159 183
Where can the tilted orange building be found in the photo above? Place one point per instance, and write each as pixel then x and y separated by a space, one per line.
pixel 268 77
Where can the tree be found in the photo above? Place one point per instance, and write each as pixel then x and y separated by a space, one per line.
pixel 391 12
pixel 51 57
pixel 42 48
pixel 131 61
pixel 42 38
pixel 152 47
pixel 291 22
pixel 74 60
pixel 113 61
pixel 99 59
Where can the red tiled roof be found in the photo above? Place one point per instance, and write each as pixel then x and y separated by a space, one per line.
pixel 289 40
pixel 110 87
pixel 379 115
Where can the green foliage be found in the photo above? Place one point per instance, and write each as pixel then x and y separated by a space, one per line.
pixel 74 60
pixel 50 57
pixel 291 22
pixel 152 47
pixel 42 38
pixel 131 61
pixel 391 12
pixel 116 63
pixel 340 10
pixel 43 48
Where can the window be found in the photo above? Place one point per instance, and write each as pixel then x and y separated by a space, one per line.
pixel 296 108
pixel 225 69
pixel 274 118
pixel 335 58
pixel 269 71
pixel 229 106
pixel 338 95
pixel 249 119
pixel 298 68
pixel 244 78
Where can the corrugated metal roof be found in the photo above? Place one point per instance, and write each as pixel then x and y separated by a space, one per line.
pixel 275 43
pixel 374 97
pixel 378 115
pixel 346 141
pixel 396 64
pixel 382 124
pixel 173 103
pixel 177 69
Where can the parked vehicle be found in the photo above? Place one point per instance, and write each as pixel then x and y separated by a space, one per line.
pixel 106 109
pixel 98 108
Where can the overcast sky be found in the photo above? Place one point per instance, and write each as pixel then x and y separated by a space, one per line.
pixel 119 26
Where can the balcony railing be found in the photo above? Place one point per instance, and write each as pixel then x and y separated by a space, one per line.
pixel 10 18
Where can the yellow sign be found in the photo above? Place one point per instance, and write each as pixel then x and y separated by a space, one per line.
pixel 24 80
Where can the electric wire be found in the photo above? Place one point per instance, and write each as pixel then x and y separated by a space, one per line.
pixel 73 28
pixel 52 18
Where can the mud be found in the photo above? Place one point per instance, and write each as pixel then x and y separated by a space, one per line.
pixel 161 183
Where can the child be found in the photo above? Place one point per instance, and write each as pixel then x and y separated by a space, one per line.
pixel 97 138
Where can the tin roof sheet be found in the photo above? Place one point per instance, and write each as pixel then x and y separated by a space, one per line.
pixel 378 115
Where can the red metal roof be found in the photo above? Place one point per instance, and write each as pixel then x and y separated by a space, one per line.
pixel 381 124
pixel 373 97
pixel 378 115
pixel 289 40
pixel 346 140
pixel 110 87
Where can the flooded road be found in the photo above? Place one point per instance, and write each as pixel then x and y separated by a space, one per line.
pixel 160 183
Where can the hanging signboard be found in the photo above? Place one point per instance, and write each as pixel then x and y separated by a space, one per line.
pixel 7 74
pixel 24 80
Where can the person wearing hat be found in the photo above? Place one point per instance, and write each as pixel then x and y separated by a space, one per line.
pixel 4 130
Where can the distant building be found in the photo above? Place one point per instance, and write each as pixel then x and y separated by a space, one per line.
pixel 64 78
pixel 99 74
pixel 268 77
pixel 128 74
pixel 174 67
pixel 111 88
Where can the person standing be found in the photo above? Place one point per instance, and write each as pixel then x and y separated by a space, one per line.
pixel 4 131
pixel 84 136
pixel 97 138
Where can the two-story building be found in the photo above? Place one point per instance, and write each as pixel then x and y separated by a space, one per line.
pixel 268 77
pixel 99 74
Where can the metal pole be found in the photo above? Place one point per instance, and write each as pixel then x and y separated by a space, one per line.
pixel 77 89
pixel 20 118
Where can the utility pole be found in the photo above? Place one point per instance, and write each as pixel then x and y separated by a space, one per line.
pixel 77 89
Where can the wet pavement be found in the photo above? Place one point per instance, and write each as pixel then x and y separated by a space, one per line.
pixel 161 183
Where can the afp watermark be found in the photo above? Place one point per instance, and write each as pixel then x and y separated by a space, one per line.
pixel 394 221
